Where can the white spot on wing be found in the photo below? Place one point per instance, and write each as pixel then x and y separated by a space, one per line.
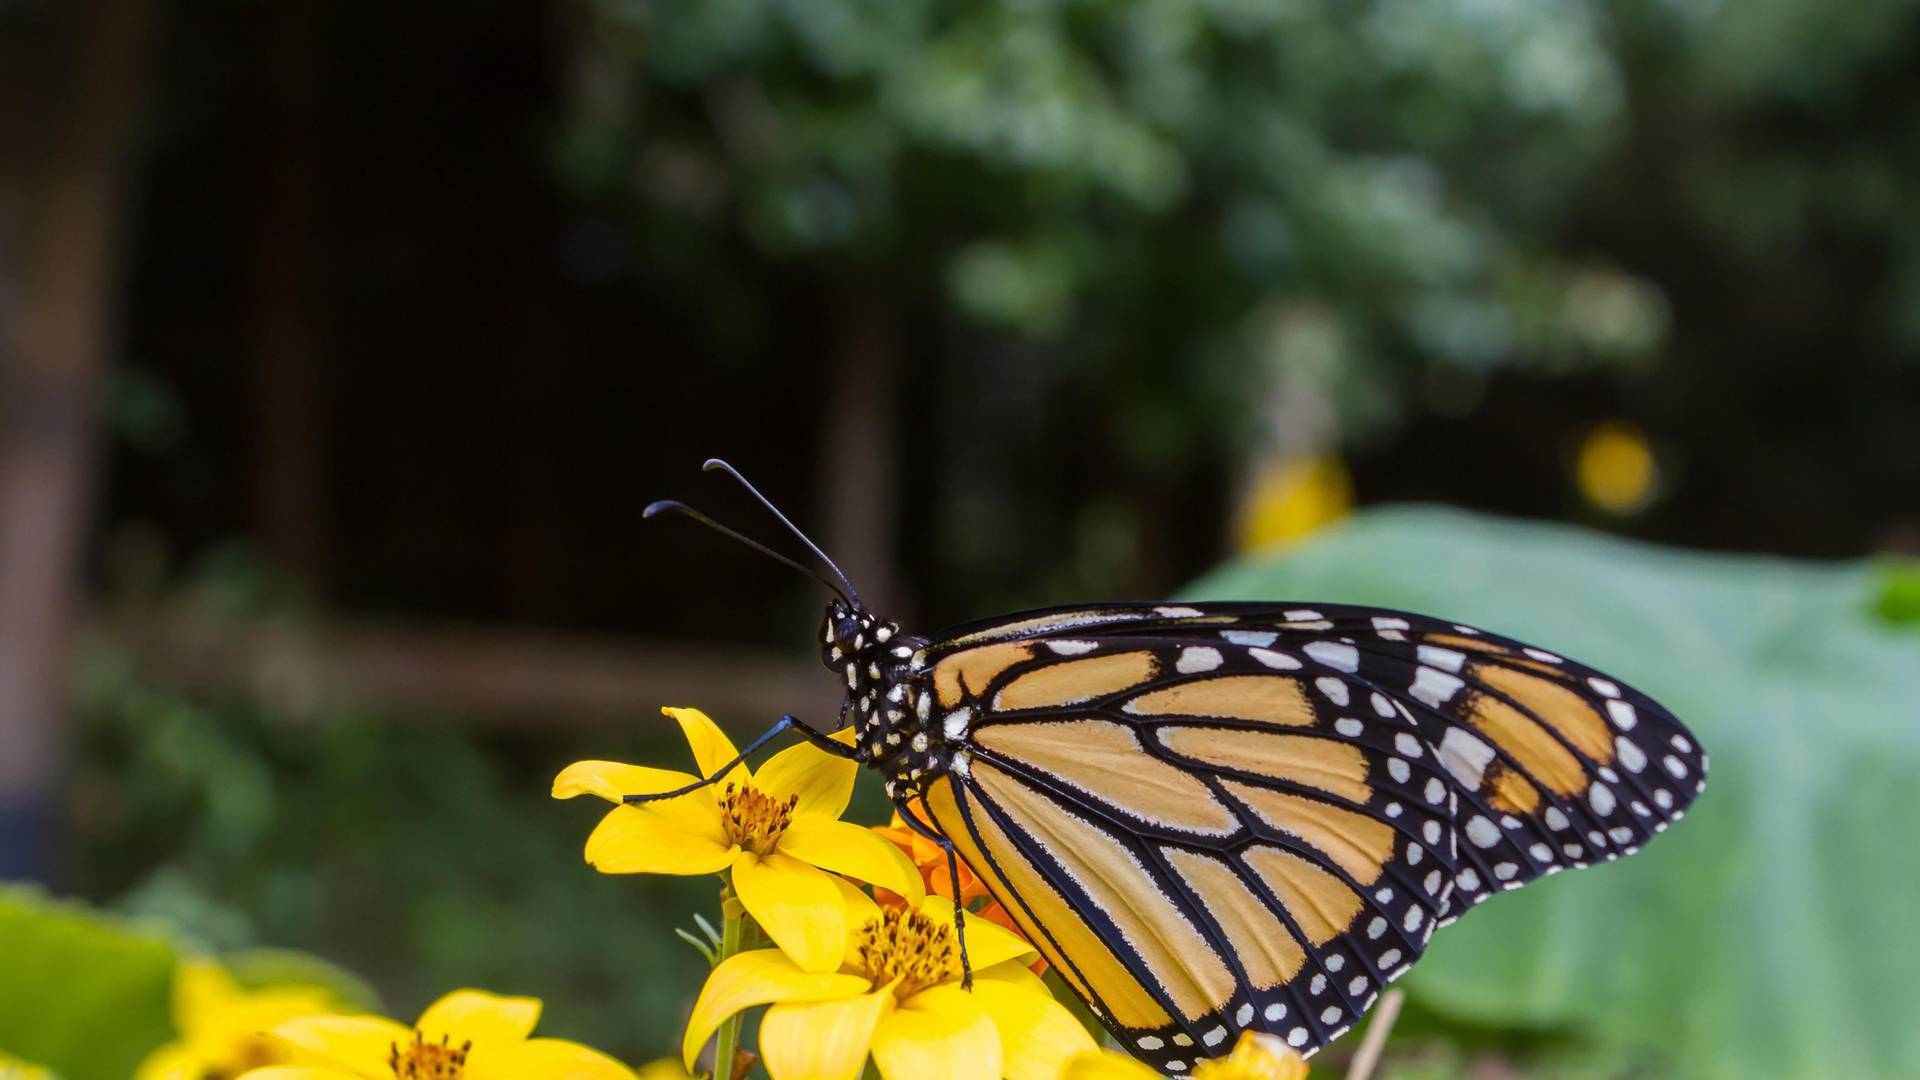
pixel 1197 658
pixel 1250 637
pixel 1302 615
pixel 1381 622
pixel 1349 727
pixel 1215 1037
pixel 1178 612
pixel 1335 690
pixel 955 724
pixel 1543 656
pixel 1408 745
pixel 1278 661
pixel 1482 832
pixel 1623 715
pixel 1604 687
pixel 1466 756
pixel 1600 797
pixel 1072 648
pixel 1447 659
pixel 1399 770
pixel 1334 654
pixel 1629 753
pixel 1382 706
pixel 1435 688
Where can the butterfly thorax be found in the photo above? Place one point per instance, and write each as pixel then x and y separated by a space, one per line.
pixel 888 699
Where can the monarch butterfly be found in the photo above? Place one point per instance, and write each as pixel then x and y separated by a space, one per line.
pixel 1214 817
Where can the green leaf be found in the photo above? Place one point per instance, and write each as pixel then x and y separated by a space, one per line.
pixel 1772 932
pixel 80 994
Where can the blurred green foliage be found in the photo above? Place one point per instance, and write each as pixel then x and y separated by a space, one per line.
pixel 1317 194
pixel 405 850
pixel 81 994
pixel 1770 932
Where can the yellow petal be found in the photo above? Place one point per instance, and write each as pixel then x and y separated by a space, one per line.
pixel 171 1062
pixel 1106 1065
pixel 846 848
pixel 823 782
pixel 201 989
pixel 860 910
pixel 711 747
pixel 695 812
pixel 754 978
pixel 490 1021
pixel 612 779
pixel 664 1069
pixel 938 1034
pixel 298 1072
pixel 223 1035
pixel 826 1040
pixel 799 907
pixel 987 944
pixel 360 1044
pixel 547 1059
pixel 630 840
pixel 1037 1034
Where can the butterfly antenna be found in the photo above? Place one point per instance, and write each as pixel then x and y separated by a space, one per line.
pixel 852 594
pixel 670 506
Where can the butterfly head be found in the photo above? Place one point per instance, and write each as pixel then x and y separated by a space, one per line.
pixel 859 646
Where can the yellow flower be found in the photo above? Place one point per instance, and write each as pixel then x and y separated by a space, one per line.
pixel 220 1024
pixel 1616 468
pixel 1254 1057
pixel 664 1069
pixel 897 995
pixel 1291 498
pixel 930 862
pixel 768 831
pixel 466 1035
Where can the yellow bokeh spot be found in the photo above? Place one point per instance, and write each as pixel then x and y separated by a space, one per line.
pixel 1292 498
pixel 1616 469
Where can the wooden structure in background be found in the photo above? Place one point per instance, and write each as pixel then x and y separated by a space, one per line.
pixel 478 677
pixel 71 88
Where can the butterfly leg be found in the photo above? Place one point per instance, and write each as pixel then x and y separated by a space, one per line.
pixel 953 876
pixel 785 723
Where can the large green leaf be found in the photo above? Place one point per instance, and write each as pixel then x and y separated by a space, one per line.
pixel 79 993
pixel 1773 932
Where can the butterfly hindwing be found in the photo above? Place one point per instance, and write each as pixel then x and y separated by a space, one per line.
pixel 1219 817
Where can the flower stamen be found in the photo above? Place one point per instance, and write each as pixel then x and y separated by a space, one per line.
pixel 753 819
pixel 907 945
pixel 423 1060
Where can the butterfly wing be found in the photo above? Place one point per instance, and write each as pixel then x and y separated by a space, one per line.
pixel 1219 817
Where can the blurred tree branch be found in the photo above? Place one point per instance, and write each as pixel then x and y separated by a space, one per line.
pixel 72 87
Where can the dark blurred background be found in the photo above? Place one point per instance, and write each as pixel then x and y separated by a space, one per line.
pixel 342 344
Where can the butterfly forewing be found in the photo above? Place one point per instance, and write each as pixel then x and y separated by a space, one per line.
pixel 1219 817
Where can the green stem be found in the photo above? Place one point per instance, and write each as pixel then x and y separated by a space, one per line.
pixel 733 916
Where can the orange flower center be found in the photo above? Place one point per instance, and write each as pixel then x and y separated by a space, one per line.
pixel 906 945
pixel 423 1060
pixel 753 819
